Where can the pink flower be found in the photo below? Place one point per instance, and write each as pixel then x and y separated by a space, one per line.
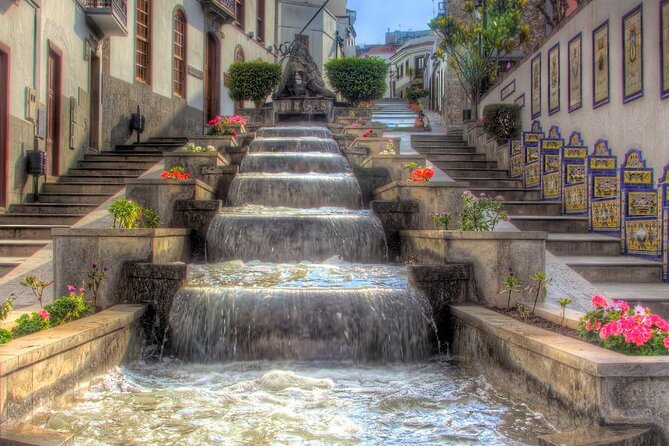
pixel 499 198
pixel 43 314
pixel 639 310
pixel 588 325
pixel 599 301
pixel 666 342
pixel 215 120
pixel 466 193
pixel 71 288
pixel 81 290
pixel 620 305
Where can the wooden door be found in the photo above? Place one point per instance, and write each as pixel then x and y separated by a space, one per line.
pixel 211 78
pixel 94 106
pixel 4 123
pixel 53 91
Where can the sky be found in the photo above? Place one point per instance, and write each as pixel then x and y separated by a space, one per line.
pixel 376 16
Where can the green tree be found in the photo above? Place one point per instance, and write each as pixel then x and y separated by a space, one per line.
pixel 358 79
pixel 475 43
pixel 253 81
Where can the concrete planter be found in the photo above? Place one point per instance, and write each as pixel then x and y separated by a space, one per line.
pixel 359 131
pixel 160 195
pixel 492 255
pixel 375 146
pixel 395 164
pixel 37 369
pixel 353 112
pixel 199 165
pixel 76 249
pixel 432 197
pixel 219 142
pixel 572 382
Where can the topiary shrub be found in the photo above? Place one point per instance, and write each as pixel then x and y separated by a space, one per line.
pixel 253 81
pixel 415 94
pixel 358 79
pixel 502 120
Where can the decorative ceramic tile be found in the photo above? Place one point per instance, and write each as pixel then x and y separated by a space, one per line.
pixel 576 199
pixel 605 215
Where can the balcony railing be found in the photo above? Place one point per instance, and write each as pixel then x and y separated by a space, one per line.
pixel 225 9
pixel 110 16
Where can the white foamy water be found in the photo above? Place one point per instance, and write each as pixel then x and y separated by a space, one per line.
pixel 284 403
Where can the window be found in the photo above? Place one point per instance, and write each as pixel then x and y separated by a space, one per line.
pixel 260 21
pixel 239 54
pixel 179 63
pixel 420 62
pixel 303 39
pixel 240 13
pixel 143 43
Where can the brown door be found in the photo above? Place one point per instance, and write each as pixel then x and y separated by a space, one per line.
pixel 211 78
pixel 4 123
pixel 94 109
pixel 53 111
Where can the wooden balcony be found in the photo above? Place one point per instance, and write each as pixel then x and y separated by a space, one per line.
pixel 109 16
pixel 223 9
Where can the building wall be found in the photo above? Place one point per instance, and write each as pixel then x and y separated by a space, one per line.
pixel 640 123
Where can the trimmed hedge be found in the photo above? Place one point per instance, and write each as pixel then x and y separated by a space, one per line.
pixel 358 79
pixel 253 81
pixel 415 94
pixel 502 120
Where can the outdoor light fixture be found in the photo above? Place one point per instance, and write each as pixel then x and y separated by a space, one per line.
pixel 249 34
pixel 138 122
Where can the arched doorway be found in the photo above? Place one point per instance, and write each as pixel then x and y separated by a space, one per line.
pixel 212 87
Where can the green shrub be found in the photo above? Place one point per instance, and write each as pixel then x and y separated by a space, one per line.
pixel 502 120
pixel 130 215
pixel 253 81
pixel 150 218
pixel 5 336
pixel 31 323
pixel 358 79
pixel 68 308
pixel 415 94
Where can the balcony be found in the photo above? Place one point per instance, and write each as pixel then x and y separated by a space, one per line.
pixel 223 9
pixel 109 16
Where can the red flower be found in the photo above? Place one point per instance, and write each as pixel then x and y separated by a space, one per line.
pixel 215 120
pixel 599 301
pixel 234 134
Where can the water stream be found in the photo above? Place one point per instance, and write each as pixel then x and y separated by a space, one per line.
pixel 298 331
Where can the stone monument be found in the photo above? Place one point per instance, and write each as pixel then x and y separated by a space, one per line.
pixel 302 95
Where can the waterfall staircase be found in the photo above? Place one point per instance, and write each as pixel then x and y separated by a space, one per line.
pixel 595 257
pixel 26 227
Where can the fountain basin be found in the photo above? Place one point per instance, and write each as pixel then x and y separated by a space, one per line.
pixel 296 190
pixel 294 235
pixel 294 131
pixel 294 163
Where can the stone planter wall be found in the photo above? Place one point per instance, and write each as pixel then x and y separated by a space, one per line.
pixel 221 143
pixel 37 369
pixel 161 195
pixel 491 254
pixel 359 131
pixel 199 165
pixel 571 382
pixel 395 164
pixel 358 112
pixel 493 149
pixel 76 249
pixel 432 197
pixel 375 146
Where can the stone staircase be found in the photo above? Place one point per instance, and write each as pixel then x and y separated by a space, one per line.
pixel 26 227
pixel 595 257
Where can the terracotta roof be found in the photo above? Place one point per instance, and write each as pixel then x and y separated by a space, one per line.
pixel 378 49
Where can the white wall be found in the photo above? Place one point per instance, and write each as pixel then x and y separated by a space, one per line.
pixel 641 123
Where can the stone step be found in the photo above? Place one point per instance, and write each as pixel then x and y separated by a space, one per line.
pixel 624 269
pixel 120 157
pixel 117 179
pixel 602 436
pixel 175 139
pixel 463 173
pixel 28 232
pixel 511 194
pixel 40 219
pixel 441 146
pixel 73 198
pixel 106 171
pixel 583 245
pixel 473 164
pixel 490 183
pixel 100 186
pixel 21 248
pixel 559 224
pixel 464 156
pixel 51 208
pixel 532 207
pixel 653 295
pixel 9 263
pixel 437 151
pixel 114 165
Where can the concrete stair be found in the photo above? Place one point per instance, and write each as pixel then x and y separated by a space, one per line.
pixel 26 227
pixel 595 257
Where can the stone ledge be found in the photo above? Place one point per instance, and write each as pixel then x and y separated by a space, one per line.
pixel 114 232
pixel 162 182
pixel 585 357
pixel 27 350
pixel 422 184
pixel 476 235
